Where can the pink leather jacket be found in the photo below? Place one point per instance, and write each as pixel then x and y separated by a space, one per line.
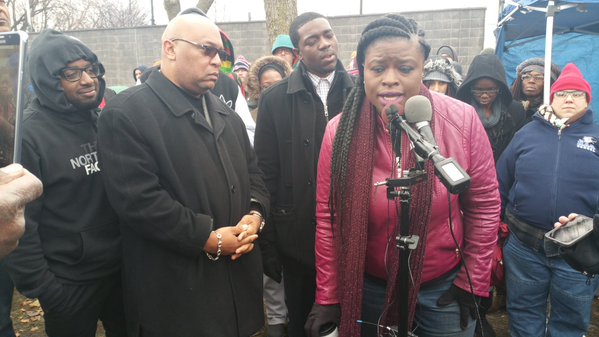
pixel 475 213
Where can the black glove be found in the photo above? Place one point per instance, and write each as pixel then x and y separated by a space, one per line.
pixel 270 261
pixel 468 303
pixel 321 315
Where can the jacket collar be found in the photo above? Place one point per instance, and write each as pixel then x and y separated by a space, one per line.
pixel 299 80
pixel 586 119
pixel 176 101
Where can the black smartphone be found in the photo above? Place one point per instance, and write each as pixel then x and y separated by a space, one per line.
pixel 13 46
pixel 572 232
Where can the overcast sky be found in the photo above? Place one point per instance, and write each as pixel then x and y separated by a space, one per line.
pixel 241 10
pixel 244 10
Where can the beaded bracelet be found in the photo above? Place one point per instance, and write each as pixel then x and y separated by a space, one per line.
pixel 219 247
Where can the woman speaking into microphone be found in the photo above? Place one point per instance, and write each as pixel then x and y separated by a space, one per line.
pixel 357 261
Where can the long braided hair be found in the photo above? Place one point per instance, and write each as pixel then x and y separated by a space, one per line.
pixel 389 26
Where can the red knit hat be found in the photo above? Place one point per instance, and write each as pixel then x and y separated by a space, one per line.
pixel 571 79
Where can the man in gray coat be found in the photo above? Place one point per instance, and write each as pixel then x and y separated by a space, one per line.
pixel 183 178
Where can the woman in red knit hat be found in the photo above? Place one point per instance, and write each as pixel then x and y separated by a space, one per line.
pixel 549 169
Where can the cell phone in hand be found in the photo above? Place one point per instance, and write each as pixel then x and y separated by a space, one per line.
pixel 13 46
pixel 572 232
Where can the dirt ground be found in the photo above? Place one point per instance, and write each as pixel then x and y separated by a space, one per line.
pixel 28 319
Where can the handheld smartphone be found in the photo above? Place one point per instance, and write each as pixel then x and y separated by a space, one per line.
pixel 572 232
pixel 13 46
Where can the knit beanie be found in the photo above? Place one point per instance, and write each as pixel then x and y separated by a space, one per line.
pixel 282 41
pixel 241 63
pixel 226 65
pixel 537 64
pixel 571 79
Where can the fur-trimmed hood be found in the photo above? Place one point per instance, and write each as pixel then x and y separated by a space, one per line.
pixel 444 68
pixel 253 81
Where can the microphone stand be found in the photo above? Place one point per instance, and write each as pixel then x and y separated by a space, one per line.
pixel 404 241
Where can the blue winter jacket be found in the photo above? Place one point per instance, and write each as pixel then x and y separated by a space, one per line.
pixel 543 174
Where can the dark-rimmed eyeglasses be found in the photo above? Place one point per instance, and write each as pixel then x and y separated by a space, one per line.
pixel 73 74
pixel 536 78
pixel 479 92
pixel 208 50
pixel 574 94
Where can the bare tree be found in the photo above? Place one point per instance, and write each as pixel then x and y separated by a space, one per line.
pixel 66 15
pixel 173 7
pixel 116 14
pixel 204 5
pixel 37 8
pixel 279 14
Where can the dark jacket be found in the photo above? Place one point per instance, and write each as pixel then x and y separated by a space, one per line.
pixel 289 132
pixel 544 174
pixel 173 179
pixel 226 89
pixel 72 233
pixel 512 115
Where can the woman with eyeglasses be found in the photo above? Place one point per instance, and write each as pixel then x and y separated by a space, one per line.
pixel 486 89
pixel 530 82
pixel 549 169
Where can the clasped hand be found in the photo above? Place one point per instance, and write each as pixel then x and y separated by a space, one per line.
pixel 236 240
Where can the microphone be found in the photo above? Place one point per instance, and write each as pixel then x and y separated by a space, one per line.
pixel 449 172
pixel 392 110
pixel 423 148
pixel 419 113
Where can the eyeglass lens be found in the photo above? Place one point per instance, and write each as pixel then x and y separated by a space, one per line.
pixel 480 92
pixel 534 78
pixel 574 94
pixel 73 74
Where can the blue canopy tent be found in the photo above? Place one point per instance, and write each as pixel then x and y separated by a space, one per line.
pixel 572 31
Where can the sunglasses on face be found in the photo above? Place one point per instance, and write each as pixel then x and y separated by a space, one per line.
pixel 207 50
pixel 73 74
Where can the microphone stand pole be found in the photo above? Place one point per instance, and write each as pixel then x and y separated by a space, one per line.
pixel 404 241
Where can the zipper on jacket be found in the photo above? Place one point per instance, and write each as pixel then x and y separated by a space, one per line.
pixel 555 171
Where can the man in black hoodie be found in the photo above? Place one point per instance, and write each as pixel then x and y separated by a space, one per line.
pixel 69 256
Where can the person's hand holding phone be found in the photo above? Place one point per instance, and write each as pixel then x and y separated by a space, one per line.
pixel 563 220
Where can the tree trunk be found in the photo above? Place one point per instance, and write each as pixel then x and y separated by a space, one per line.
pixel 204 5
pixel 172 7
pixel 279 14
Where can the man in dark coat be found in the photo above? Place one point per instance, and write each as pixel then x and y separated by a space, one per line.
pixel 289 130
pixel 70 255
pixel 185 183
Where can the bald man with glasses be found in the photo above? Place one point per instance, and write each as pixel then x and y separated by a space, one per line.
pixel 182 175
